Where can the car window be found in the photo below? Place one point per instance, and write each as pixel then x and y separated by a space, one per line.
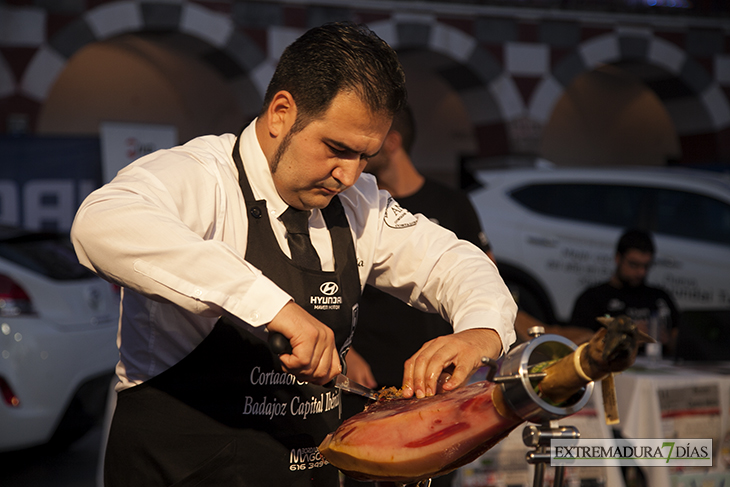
pixel 667 211
pixel 692 215
pixel 596 203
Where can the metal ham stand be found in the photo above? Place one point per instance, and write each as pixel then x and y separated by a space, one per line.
pixel 518 386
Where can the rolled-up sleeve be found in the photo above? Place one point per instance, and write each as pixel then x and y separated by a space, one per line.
pixel 429 268
pixel 156 229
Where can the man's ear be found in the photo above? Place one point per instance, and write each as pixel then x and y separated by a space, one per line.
pixel 281 114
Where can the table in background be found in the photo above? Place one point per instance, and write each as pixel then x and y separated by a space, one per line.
pixel 658 399
pixel 505 464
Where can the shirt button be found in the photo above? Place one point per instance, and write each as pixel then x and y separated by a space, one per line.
pixel 254 316
pixel 198 292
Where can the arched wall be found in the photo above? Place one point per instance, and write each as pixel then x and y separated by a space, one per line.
pixel 509 71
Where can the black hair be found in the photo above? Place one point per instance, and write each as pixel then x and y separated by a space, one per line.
pixel 333 58
pixel 635 239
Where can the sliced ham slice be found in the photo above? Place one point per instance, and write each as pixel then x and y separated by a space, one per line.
pixel 407 440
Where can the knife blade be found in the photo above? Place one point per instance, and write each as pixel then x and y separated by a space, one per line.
pixel 279 344
pixel 344 383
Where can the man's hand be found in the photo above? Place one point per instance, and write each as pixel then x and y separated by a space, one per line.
pixel 314 354
pixel 460 353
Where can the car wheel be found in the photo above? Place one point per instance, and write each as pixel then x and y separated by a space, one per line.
pixel 527 293
pixel 529 302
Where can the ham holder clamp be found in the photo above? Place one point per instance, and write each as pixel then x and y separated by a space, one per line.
pixel 409 441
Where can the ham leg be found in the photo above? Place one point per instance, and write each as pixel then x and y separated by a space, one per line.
pixel 408 440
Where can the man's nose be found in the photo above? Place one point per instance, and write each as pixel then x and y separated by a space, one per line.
pixel 347 173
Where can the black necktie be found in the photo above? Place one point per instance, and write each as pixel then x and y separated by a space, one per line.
pixel 300 245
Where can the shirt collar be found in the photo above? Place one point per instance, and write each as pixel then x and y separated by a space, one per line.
pixel 258 171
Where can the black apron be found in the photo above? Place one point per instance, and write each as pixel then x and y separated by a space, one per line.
pixel 226 415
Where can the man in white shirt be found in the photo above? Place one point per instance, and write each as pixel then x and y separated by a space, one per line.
pixel 195 237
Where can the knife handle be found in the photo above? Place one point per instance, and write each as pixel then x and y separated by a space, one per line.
pixel 279 343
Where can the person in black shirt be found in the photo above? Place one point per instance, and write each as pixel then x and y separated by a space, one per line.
pixel 626 292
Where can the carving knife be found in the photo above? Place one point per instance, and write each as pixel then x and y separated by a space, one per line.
pixel 279 344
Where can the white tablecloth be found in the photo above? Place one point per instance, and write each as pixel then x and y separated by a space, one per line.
pixel 662 400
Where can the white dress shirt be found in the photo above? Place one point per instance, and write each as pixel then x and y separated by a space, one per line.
pixel 171 228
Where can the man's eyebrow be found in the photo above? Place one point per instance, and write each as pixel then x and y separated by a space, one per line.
pixel 344 147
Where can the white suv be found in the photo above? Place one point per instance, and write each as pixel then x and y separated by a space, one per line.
pixel 554 231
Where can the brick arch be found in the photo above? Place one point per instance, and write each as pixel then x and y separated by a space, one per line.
pixel 638 45
pixel 128 17
pixel 491 99
pixel 497 107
